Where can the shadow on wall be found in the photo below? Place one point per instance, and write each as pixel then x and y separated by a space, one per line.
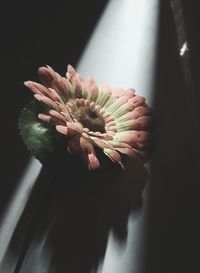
pixel 172 242
pixel 70 217
pixel 33 34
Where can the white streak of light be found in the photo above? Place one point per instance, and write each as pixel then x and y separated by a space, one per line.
pixel 122 52
pixel 183 49
pixel 17 204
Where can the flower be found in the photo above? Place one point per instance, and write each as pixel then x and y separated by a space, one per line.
pixel 115 120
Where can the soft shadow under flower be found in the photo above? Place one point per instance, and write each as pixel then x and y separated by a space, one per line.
pixel 85 210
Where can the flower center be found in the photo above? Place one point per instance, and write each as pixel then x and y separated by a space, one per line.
pixel 90 119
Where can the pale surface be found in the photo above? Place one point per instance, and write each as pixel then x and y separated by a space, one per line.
pixel 121 52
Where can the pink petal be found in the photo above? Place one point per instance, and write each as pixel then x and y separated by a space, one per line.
pixel 61 86
pixel 141 123
pixel 131 137
pixel 79 77
pixel 143 110
pixel 57 115
pixel 51 119
pixel 44 117
pixel 65 130
pixel 124 148
pixel 65 112
pixel 93 162
pixel 42 90
pixel 101 143
pixel 111 123
pixel 37 88
pixel 71 72
pixel 54 95
pixel 137 101
pixel 111 128
pixel 89 82
pixel 75 126
pixel 78 88
pixel 47 101
pixel 94 91
pixel 89 155
pixel 108 119
pixel 124 94
pixel 114 156
pixel 38 97
pixel 135 113
pixel 47 75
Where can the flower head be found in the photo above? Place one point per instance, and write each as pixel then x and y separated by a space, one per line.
pixel 115 120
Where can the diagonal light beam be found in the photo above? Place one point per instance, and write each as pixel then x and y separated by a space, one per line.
pixel 121 52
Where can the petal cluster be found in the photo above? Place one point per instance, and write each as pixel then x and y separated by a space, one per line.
pixel 115 120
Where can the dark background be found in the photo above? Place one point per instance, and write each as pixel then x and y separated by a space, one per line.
pixel 173 224
pixel 35 33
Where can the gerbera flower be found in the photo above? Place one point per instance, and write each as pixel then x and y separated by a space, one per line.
pixel 115 120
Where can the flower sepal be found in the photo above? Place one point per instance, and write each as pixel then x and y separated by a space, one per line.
pixel 40 137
